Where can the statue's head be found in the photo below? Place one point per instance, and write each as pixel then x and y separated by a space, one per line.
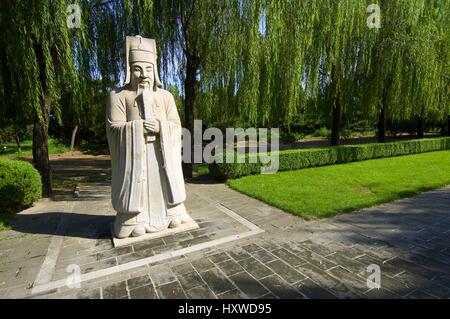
pixel 141 59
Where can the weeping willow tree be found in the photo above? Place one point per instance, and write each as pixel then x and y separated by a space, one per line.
pixel 339 55
pixel 207 40
pixel 256 79
pixel 426 80
pixel 385 77
pixel 38 55
pixel 227 95
pixel 97 48
pixel 409 74
pixel 286 41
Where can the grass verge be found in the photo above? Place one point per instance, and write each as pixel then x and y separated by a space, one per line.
pixel 326 191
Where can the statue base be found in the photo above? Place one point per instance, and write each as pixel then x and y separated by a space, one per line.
pixel 190 225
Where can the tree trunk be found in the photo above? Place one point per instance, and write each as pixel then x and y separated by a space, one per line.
pixel 382 124
pixel 448 125
pixel 72 140
pixel 336 125
pixel 336 112
pixel 382 116
pixel 40 154
pixel 40 129
pixel 190 84
pixel 8 103
pixel 17 139
pixel 420 127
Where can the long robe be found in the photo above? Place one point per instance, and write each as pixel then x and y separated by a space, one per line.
pixel 147 177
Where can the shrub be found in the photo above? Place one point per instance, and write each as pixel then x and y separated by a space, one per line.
pixel 290 137
pixel 304 158
pixel 322 132
pixel 20 185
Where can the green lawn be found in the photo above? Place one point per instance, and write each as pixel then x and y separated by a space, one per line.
pixel 326 191
pixel 9 151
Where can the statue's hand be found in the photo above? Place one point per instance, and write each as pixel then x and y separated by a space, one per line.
pixel 152 126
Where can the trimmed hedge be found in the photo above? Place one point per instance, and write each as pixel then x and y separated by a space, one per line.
pixel 20 185
pixel 304 158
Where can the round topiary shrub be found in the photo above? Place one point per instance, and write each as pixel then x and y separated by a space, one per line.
pixel 20 185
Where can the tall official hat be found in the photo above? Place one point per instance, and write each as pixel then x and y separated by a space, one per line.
pixel 139 49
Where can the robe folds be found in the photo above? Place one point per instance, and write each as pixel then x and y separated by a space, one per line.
pixel 129 150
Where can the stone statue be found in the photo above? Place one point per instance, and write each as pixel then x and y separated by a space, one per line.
pixel 144 137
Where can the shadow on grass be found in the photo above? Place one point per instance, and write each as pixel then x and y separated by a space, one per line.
pixel 10 150
pixel 94 148
pixel 81 169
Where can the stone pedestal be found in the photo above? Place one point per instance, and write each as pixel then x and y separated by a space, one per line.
pixel 190 225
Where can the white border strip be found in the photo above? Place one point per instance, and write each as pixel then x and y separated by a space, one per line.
pixel 48 266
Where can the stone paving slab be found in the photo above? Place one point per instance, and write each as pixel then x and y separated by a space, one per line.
pixel 282 257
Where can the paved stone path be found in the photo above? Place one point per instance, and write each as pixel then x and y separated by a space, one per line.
pixel 243 249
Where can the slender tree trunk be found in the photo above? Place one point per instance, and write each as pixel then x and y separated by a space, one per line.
pixel 420 127
pixel 448 125
pixel 190 84
pixel 382 126
pixel 382 120
pixel 40 129
pixel 336 111
pixel 443 127
pixel 336 125
pixel 72 140
pixel 17 139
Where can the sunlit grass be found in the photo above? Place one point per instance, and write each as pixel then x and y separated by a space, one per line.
pixel 326 191
pixel 9 150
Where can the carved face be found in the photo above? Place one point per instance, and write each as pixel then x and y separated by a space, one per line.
pixel 142 74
